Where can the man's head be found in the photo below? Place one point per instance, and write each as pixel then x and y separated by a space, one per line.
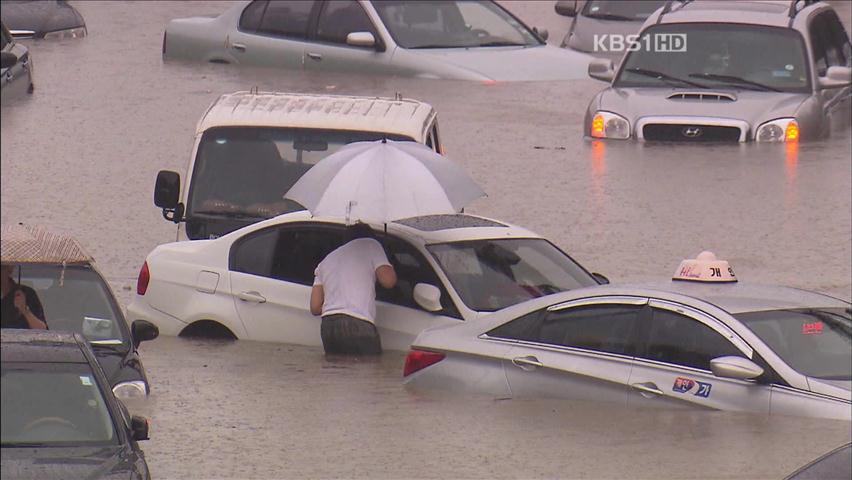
pixel 358 230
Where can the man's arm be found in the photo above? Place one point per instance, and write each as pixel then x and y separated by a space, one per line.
pixel 386 276
pixel 21 302
pixel 317 299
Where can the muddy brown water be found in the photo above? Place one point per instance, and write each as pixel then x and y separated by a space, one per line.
pixel 81 156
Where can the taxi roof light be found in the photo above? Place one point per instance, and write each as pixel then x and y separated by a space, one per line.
pixel 705 268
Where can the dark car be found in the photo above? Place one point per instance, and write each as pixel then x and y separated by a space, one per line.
pixel 60 419
pixel 54 19
pixel 836 464
pixel 76 298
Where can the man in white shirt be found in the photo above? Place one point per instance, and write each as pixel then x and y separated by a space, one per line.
pixel 344 293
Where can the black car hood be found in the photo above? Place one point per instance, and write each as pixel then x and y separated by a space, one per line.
pixel 40 16
pixel 83 463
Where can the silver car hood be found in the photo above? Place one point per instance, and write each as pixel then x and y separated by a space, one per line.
pixel 544 62
pixel 748 105
pixel 834 388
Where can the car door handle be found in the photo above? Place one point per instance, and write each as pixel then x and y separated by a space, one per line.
pixel 647 389
pixel 315 56
pixel 527 363
pixel 238 46
pixel 251 297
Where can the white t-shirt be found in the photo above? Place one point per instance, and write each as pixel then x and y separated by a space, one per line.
pixel 348 278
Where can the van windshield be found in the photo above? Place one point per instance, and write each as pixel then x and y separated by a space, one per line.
pixel 244 172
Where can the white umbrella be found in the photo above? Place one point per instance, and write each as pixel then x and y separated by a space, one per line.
pixel 384 181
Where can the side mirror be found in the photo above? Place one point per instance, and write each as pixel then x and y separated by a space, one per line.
pixel 8 59
pixel 541 32
pixel 428 297
pixel 139 427
pixel 361 39
pixel 142 331
pixel 566 8
pixel 735 367
pixel 602 69
pixel 602 280
pixel 836 77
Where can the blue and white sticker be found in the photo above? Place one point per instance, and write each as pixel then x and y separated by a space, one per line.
pixel 688 385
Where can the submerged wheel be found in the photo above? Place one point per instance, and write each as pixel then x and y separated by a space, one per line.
pixel 208 329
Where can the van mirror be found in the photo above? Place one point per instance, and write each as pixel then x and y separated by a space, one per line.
pixel 361 39
pixel 428 297
pixel 167 189
pixel 566 8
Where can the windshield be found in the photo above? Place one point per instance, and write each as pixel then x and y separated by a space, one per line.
pixel 75 299
pixel 717 56
pixel 452 24
pixel 245 172
pixel 816 343
pixel 619 10
pixel 53 404
pixel 492 274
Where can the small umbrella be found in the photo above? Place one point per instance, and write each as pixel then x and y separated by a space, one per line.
pixel 384 181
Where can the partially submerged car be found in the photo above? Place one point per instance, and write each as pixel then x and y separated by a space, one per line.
pixel 16 67
pixel 701 341
pixel 603 28
pixel 47 19
pixel 255 283
pixel 60 419
pixel 251 147
pixel 720 71
pixel 76 298
pixel 440 39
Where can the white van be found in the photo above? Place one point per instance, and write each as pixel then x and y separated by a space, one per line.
pixel 251 147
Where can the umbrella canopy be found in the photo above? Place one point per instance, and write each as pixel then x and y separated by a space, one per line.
pixel 384 181
pixel 27 244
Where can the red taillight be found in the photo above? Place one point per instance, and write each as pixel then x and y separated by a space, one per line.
pixel 142 281
pixel 419 359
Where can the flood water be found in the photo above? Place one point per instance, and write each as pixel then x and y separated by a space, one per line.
pixel 82 153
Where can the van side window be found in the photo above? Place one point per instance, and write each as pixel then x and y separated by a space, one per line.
pixel 250 19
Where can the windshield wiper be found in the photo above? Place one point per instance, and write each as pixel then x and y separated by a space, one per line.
pixel 663 76
pixel 25 444
pixel 609 16
pixel 501 44
pixel 730 78
pixel 226 214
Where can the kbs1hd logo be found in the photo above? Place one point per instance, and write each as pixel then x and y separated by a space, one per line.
pixel 657 42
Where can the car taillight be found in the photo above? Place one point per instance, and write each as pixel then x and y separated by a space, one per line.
pixel 419 359
pixel 142 281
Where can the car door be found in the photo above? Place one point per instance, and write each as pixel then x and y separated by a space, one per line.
pixel 582 350
pixel 398 316
pixel 272 273
pixel 328 51
pixel 672 365
pixel 272 33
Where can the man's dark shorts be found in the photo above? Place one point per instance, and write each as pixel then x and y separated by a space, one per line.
pixel 343 334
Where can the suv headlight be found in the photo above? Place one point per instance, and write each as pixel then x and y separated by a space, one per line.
pixel 134 389
pixel 780 130
pixel 609 125
pixel 78 32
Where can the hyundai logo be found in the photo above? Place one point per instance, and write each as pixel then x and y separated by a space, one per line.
pixel 692 132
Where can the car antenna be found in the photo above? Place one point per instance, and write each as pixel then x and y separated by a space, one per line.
pixel 397 96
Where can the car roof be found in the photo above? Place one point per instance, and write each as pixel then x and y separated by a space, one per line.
pixel 421 230
pixel 407 117
pixel 29 244
pixel 774 13
pixel 41 346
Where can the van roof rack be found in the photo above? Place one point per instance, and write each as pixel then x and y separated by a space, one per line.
pixel 669 5
pixel 797 6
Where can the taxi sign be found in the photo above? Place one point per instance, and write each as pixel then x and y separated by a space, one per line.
pixel 705 268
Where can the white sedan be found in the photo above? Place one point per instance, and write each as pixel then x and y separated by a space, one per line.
pixel 255 283
pixel 728 346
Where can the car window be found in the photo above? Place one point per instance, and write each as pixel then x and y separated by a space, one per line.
pixel 287 19
pixel 411 268
pixel 524 328
pixel 680 340
pixel 819 44
pixel 253 253
pixel 250 19
pixel 299 250
pixel 838 40
pixel 603 328
pixel 435 138
pixel 339 18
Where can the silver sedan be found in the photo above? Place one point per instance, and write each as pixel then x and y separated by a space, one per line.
pixel 769 350
pixel 460 40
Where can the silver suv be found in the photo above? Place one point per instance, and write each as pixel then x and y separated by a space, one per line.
pixel 780 72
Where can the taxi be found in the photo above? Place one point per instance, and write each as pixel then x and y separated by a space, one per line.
pixel 702 340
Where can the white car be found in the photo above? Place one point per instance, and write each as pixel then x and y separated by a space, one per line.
pixel 255 283
pixel 447 39
pixel 728 346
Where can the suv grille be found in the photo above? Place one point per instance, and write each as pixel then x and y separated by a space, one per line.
pixel 665 132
